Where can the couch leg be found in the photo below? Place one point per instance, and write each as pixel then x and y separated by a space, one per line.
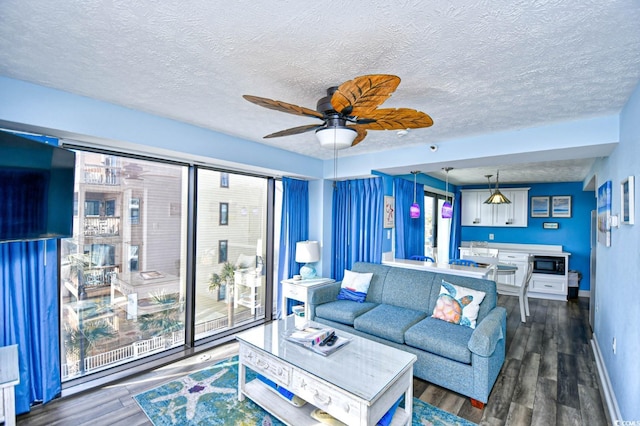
pixel 476 404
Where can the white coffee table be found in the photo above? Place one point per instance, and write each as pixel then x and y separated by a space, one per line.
pixel 356 384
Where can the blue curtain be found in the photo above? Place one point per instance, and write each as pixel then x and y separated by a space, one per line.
pixel 294 227
pixel 409 232
pixel 358 212
pixel 30 317
pixel 456 226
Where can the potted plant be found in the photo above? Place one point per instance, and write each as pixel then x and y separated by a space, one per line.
pixel 225 277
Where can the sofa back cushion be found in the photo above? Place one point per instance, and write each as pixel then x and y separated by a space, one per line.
pixel 374 294
pixel 419 290
pixel 411 289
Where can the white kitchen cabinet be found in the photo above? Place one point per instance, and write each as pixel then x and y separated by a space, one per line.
pixel 548 286
pixel 476 213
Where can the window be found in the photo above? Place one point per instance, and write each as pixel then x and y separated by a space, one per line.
pixel 222 251
pixel 231 237
pixel 224 214
pixel 436 229
pixel 133 258
pixel 134 209
pixel 123 280
pixel 224 180
pixel 110 208
pixel 122 287
pixel 92 208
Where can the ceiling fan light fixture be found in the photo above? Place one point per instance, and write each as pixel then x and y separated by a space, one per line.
pixel 336 137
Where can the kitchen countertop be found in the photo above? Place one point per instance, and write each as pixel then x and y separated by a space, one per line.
pixel 535 249
pixel 465 271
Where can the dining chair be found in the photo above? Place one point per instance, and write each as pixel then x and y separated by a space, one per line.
pixel 522 290
pixel 463 262
pixel 423 258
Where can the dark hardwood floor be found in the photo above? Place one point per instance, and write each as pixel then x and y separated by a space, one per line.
pixel 548 378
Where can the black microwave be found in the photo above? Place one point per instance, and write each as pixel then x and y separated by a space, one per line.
pixel 554 265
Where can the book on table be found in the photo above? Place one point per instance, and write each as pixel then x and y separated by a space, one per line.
pixel 312 338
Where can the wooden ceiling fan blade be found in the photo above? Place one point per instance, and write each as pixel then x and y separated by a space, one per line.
pixel 363 94
pixel 362 133
pixel 397 119
pixel 295 130
pixel 283 106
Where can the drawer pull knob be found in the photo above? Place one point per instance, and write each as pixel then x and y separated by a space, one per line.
pixel 324 400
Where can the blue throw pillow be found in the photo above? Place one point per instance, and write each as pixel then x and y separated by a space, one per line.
pixel 355 286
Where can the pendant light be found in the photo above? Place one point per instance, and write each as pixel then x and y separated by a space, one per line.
pixel 496 197
pixel 414 210
pixel 447 208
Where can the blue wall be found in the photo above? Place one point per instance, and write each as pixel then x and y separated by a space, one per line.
pixel 572 233
pixel 617 290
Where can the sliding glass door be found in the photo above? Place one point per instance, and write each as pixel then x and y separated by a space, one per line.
pixel 436 229
pixel 128 275
pixel 123 272
pixel 231 250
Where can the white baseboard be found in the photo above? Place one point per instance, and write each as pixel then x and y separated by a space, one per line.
pixel 611 403
pixel 584 293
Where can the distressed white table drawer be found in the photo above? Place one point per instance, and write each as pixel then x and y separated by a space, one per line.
pixel 270 367
pixel 330 399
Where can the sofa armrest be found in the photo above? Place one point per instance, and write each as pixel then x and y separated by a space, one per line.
pixel 489 332
pixel 323 294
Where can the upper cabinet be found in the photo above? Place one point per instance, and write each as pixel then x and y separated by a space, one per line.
pixel 476 213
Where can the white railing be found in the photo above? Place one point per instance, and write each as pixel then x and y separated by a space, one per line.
pixel 146 347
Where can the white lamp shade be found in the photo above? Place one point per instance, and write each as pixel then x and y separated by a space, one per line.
pixel 338 137
pixel 307 251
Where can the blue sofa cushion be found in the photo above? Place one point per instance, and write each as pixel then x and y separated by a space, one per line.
pixel 343 311
pixel 388 322
pixel 441 338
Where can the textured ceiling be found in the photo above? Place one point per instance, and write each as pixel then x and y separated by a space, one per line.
pixel 476 68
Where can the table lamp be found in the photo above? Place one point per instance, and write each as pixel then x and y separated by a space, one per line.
pixel 307 252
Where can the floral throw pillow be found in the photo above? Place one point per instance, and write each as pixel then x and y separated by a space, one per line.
pixel 355 286
pixel 458 305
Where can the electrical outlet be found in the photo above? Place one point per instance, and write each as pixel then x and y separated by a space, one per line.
pixel 491 237
pixel 388 234
pixel 613 345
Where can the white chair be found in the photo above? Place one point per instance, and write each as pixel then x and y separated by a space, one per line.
pixel 522 290
pixel 485 256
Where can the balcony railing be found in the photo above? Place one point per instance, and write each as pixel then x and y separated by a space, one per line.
pixel 102 226
pixel 101 175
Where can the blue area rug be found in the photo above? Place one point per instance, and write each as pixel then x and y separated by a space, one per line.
pixel 210 397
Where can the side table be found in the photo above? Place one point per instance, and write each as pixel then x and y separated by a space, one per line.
pixel 299 290
pixel 9 377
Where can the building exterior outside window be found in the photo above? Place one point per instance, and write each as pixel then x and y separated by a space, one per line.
pixel 123 273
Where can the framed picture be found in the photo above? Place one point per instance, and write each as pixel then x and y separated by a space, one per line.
pixel 389 211
pixel 604 214
pixel 561 206
pixel 627 201
pixel 539 206
pixel 224 214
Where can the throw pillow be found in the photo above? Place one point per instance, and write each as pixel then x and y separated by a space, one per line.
pixel 458 305
pixel 355 286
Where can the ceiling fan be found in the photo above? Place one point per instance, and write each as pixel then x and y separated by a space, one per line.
pixel 349 110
